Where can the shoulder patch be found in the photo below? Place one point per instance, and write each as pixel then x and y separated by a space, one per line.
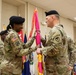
pixel 14 39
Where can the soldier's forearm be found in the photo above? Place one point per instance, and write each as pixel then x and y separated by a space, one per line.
pixel 43 41
pixel 29 43
pixel 50 50
pixel 26 51
pixel 73 58
pixel 46 49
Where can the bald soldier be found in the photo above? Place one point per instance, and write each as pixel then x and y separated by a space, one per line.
pixel 55 48
pixel 14 48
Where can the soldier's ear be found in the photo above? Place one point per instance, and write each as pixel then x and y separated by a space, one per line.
pixel 53 16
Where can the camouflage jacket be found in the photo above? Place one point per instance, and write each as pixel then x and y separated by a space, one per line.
pixel 71 51
pixel 56 51
pixel 1 50
pixel 15 49
pixel 56 47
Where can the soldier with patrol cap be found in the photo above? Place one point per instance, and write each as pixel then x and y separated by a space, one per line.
pixel 14 48
pixel 55 47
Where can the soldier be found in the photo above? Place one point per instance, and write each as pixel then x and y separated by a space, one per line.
pixel 71 50
pixel 55 48
pixel 1 49
pixel 2 37
pixel 14 48
pixel 72 55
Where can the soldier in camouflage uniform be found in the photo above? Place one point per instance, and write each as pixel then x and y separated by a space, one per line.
pixel 55 48
pixel 72 54
pixel 1 49
pixel 14 48
pixel 71 50
pixel 2 37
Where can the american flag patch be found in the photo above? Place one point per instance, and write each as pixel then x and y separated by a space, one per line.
pixel 14 39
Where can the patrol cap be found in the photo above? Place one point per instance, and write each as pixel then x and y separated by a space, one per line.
pixel 51 12
pixel 16 20
pixel 3 32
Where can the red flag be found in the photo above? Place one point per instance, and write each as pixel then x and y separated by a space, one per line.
pixel 38 42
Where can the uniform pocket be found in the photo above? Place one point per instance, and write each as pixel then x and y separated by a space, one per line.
pixel 62 69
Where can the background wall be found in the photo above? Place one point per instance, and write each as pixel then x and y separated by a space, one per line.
pixel 7 11
pixel 68 26
pixel 0 13
pixel 22 12
pixel 11 10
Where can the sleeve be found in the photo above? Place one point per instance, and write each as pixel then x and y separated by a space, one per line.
pixel 29 43
pixel 26 51
pixel 71 52
pixel 72 57
pixel 43 41
pixel 70 44
pixel 2 48
pixel 17 46
pixel 55 41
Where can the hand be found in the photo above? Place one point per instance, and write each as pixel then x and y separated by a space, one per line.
pixel 38 46
pixel 70 68
pixel 38 51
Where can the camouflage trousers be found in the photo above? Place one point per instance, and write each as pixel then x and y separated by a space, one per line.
pixel 8 69
pixel 7 73
pixel 54 73
pixel 57 70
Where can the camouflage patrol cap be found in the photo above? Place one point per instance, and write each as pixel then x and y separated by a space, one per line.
pixel 51 12
pixel 16 20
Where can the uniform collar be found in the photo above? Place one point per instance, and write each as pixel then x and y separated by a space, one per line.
pixel 60 25
pixel 11 30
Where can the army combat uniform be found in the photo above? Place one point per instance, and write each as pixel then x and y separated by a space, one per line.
pixel 71 51
pixel 1 52
pixel 55 50
pixel 14 50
